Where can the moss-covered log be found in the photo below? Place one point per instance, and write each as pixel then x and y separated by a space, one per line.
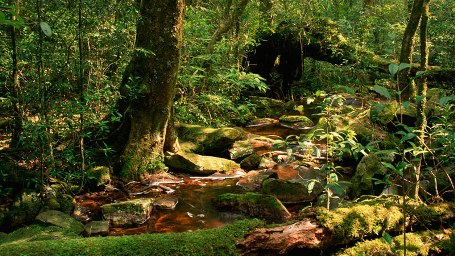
pixel 323 229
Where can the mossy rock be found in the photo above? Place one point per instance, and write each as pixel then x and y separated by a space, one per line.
pixel 97 228
pixel 302 120
pixel 207 141
pixel 37 233
pixel 243 148
pixel 253 180
pixel 217 241
pixel 60 219
pixel 23 211
pixel 198 164
pixel 99 176
pixel 251 162
pixel 253 204
pixel 129 213
pixel 291 191
pixel 362 182
pixel 267 107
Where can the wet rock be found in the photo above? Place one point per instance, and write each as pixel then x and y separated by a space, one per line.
pixel 128 213
pixel 60 219
pixel 82 213
pixel 98 176
pixel 252 181
pixel 368 167
pixel 261 122
pixel 198 164
pixel 97 228
pixel 165 203
pixel 251 162
pixel 292 191
pixel 253 204
pixel 207 141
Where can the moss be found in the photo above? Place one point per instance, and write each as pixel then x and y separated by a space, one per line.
pixel 288 191
pixel 37 233
pixel 219 241
pixel 294 119
pixel 356 220
pixel 419 243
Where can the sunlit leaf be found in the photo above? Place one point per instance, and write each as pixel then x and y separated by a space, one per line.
pixel 45 28
pixel 388 238
pixel 393 69
pixel 382 91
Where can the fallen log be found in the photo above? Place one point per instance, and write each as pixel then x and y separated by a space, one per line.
pixel 322 229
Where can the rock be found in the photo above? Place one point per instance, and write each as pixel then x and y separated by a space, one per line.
pixel 261 122
pixel 266 163
pixel 198 164
pixel 368 167
pixel 165 203
pixel 253 204
pixel 99 176
pixel 128 213
pixel 267 107
pixel 251 162
pixel 252 181
pixel 61 219
pixel 97 228
pixel 298 122
pixel 207 141
pixel 292 191
pixel 243 148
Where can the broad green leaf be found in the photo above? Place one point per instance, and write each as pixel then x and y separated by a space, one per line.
pixel 389 165
pixel 419 74
pixel 45 28
pixel 382 91
pixel 393 69
pixel 311 186
pixel 445 100
pixel 310 100
pixel 388 238
pixel 2 17
pixel 406 104
pixel 408 136
pixel 419 99
pixel 316 151
pixel 403 66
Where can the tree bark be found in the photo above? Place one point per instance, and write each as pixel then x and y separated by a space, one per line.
pixel 404 83
pixel 148 88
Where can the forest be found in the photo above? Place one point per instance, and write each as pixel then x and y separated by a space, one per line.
pixel 227 127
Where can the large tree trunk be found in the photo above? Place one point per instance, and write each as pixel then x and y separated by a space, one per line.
pixel 149 86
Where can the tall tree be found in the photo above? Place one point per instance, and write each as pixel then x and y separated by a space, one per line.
pixel 148 87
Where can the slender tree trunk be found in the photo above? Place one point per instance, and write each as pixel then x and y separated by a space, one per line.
pixel 16 89
pixel 421 122
pixel 149 88
pixel 228 22
pixel 404 83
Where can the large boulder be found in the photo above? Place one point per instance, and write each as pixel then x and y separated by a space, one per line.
pixel 252 181
pixel 99 176
pixel 292 191
pixel 254 144
pixel 362 181
pixel 60 219
pixel 207 141
pixel 129 213
pixel 198 164
pixel 253 204
pixel 297 122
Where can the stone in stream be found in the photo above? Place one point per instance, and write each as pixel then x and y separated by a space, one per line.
pixel 97 228
pixel 198 164
pixel 292 191
pixel 253 204
pixel 252 181
pixel 297 122
pixel 128 213
pixel 60 219
pixel 251 162
pixel 254 144
pixel 165 203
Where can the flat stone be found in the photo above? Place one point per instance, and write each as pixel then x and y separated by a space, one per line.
pixel 60 219
pixel 129 213
pixel 252 181
pixel 198 164
pixel 97 228
pixel 165 203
